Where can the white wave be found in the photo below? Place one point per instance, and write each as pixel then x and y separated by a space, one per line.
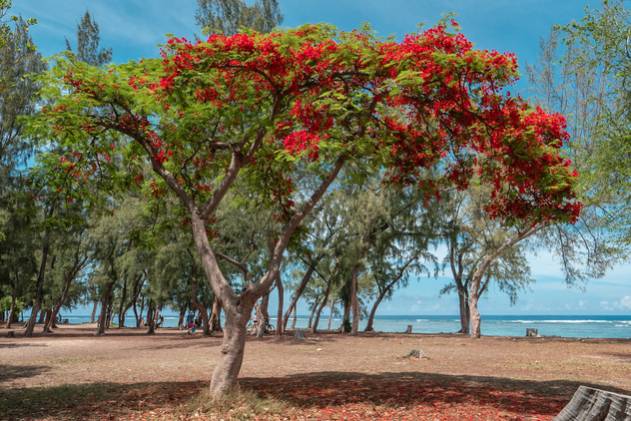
pixel 422 320
pixel 563 321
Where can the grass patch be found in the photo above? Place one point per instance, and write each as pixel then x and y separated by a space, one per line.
pixel 237 405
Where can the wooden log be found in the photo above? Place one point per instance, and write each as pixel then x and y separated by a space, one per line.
pixel 589 404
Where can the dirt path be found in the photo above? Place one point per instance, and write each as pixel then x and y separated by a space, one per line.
pixel 74 374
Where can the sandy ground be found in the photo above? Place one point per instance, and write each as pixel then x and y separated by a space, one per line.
pixel 73 374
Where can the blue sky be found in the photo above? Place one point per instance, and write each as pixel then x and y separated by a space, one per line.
pixel 134 28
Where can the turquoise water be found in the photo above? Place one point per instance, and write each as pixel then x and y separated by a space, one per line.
pixel 514 325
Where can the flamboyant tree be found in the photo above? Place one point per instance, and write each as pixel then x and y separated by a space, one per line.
pixel 284 112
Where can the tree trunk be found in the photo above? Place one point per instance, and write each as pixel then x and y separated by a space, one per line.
pixel 205 319
pixel 109 312
pixel 39 289
pixel 280 325
pixel 293 319
pixel 322 304
pixel 11 315
pixel 354 303
pixel 224 377
pixel 474 314
pixel 464 311
pixel 121 308
pixel 105 299
pixel 589 404
pixel 30 324
pixel 314 308
pixel 53 318
pixel 180 319
pixel 294 299
pixel 200 307
pixel 151 318
pixel 331 308
pixel 346 317
pixel 93 315
pixel 215 317
pixel 373 311
pixel 47 321
pixel 262 316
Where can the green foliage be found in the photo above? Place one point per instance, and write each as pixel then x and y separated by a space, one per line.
pixel 230 16
pixel 584 72
pixel 5 304
pixel 88 43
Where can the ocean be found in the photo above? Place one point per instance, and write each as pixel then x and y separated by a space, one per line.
pixel 514 325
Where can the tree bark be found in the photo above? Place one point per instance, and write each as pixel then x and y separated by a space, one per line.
pixel 47 319
pixel 215 317
pixel 331 308
pixel 39 289
pixel 280 325
pixel 105 299
pixel 474 313
pixel 316 322
pixel 373 311
pixel 463 300
pixel 180 319
pixel 354 303
pixel 11 315
pixel 262 316
pixel 294 318
pixel 312 314
pixel 298 293
pixel 69 277
pixel 346 317
pixel 224 377
pixel 109 312
pixel 151 318
pixel 121 308
pixel 93 315
pixel 589 404
pixel 203 312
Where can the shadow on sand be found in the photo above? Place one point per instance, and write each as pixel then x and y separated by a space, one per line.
pixel 310 391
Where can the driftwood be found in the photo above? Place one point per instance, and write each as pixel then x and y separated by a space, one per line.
pixel 11 334
pixel 408 329
pixel 299 334
pixel 416 353
pixel 589 404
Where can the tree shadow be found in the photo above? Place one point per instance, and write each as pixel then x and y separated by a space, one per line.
pixel 315 393
pixel 12 372
pixel 94 400
pixel 19 345
pixel 413 390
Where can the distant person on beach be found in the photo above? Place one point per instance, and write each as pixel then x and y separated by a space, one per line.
pixel 191 328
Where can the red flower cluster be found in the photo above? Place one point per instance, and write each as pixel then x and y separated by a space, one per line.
pixel 431 100
pixel 297 142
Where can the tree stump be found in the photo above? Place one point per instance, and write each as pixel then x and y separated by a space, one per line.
pixel 11 334
pixel 532 332
pixel 299 334
pixel 589 404
pixel 408 330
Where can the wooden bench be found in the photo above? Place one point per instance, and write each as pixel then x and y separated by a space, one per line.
pixel 589 404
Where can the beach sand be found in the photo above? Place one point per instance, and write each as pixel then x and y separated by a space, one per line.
pixel 71 374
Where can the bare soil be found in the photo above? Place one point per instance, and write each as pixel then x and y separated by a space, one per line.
pixel 71 374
